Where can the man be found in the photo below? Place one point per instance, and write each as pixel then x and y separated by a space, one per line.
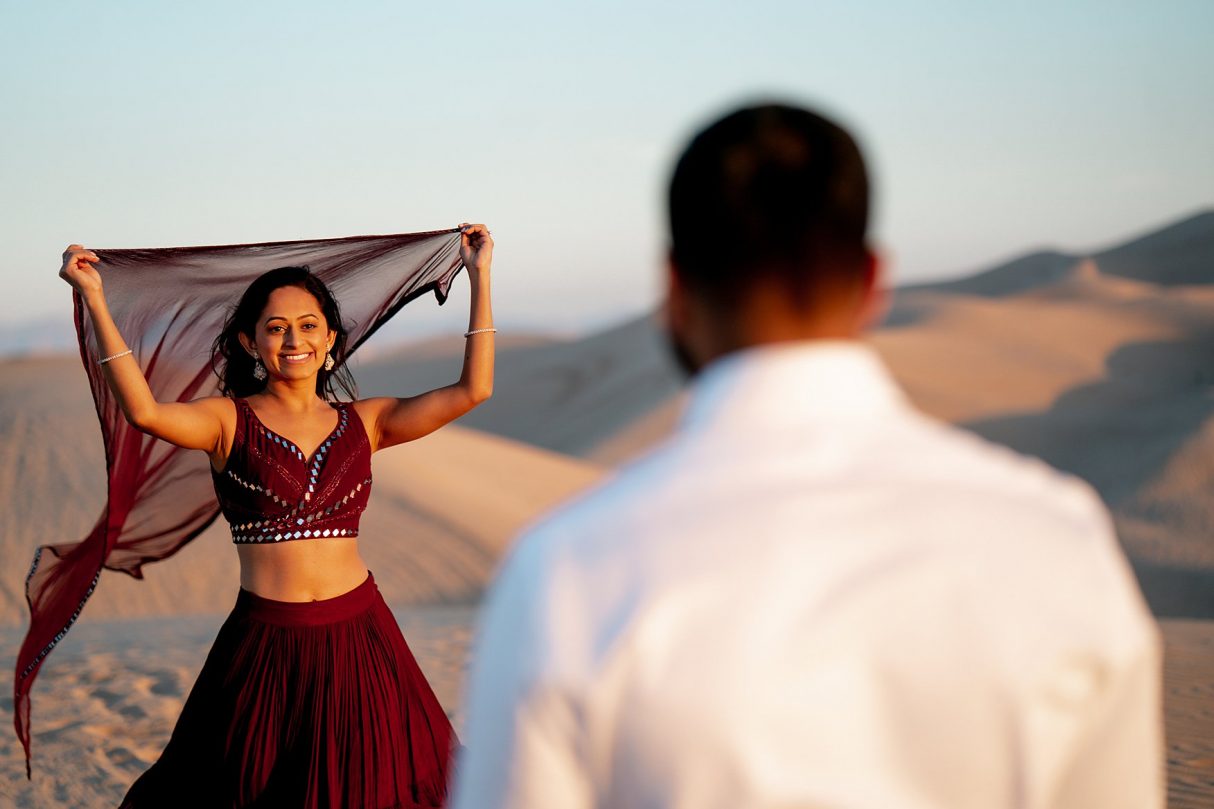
pixel 812 595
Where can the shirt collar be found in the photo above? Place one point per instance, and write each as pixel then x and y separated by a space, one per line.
pixel 789 383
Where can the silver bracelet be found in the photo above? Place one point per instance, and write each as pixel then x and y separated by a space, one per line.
pixel 104 360
pixel 479 331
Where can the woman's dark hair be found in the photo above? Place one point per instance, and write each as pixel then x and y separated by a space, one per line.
pixel 233 365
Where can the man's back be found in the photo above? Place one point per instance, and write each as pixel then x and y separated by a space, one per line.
pixel 814 596
pixel 811 596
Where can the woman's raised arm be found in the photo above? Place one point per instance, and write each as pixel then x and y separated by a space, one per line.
pixel 392 421
pixel 193 425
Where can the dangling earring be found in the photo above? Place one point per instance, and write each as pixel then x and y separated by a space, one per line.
pixel 259 370
pixel 329 363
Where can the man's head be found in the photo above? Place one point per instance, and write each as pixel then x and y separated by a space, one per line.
pixel 768 220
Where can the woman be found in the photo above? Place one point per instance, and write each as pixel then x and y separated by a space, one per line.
pixel 309 696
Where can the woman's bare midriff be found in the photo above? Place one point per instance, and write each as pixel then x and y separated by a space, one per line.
pixel 302 569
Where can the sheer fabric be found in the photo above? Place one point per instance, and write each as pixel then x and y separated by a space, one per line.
pixel 170 304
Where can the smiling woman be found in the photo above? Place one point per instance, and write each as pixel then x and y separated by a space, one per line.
pixel 289 333
pixel 310 695
pixel 289 322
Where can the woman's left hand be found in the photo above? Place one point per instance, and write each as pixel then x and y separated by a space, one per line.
pixel 476 248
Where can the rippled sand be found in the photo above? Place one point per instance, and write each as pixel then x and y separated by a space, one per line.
pixel 106 704
pixel 1189 709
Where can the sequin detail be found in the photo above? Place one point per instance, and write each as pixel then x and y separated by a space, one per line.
pixel 324 497
pixel 282 529
pixel 62 632
pixel 307 533
pixel 321 451
pixel 289 446
pixel 253 487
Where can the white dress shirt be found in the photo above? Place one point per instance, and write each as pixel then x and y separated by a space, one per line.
pixel 814 596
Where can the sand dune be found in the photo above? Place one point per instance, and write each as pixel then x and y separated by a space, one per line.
pixel 104 708
pixel 1105 377
pixel 441 513
pixel 1178 254
pixel 568 397
pixel 1108 376
pixel 1101 364
pixel 1114 384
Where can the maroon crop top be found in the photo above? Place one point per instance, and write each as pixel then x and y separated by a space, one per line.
pixel 269 492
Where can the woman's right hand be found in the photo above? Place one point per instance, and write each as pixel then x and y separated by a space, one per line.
pixel 78 269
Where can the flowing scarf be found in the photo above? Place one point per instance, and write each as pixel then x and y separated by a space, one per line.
pixel 169 305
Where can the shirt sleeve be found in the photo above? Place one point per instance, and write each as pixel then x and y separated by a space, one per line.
pixel 1119 765
pixel 523 747
pixel 1119 762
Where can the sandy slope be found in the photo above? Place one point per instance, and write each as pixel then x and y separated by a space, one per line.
pixel 1103 366
pixel 567 396
pixel 442 509
pixel 1106 377
pixel 104 710
pixel 1109 379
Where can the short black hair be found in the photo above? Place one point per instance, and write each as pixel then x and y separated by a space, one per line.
pixel 771 191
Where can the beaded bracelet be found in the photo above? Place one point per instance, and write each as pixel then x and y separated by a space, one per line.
pixel 478 331
pixel 104 360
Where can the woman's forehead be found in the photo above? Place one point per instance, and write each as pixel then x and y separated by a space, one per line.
pixel 292 302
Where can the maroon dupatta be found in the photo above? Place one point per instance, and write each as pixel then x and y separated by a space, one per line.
pixel 169 305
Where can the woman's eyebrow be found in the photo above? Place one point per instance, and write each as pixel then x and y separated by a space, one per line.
pixel 280 317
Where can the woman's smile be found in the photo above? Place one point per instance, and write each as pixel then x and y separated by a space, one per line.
pixel 295 359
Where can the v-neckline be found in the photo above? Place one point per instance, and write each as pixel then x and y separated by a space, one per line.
pixel 307 458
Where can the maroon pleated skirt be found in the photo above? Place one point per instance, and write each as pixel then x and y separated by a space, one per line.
pixel 305 704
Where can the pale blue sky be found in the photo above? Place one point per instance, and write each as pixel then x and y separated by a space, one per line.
pixel 988 130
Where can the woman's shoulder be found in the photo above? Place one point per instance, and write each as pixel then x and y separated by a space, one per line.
pixel 223 408
pixel 370 409
pixel 220 405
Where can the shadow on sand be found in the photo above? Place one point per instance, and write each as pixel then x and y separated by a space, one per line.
pixel 1119 434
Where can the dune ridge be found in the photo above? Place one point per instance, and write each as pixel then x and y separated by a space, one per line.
pixel 441 513
pixel 1101 363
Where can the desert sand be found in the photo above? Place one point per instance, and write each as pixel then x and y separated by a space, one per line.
pixel 444 506
pixel 1101 363
pixel 105 710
